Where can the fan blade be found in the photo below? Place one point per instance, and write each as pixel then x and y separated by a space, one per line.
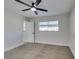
pixel 37 2
pixel 36 12
pixel 42 9
pixel 26 9
pixel 23 3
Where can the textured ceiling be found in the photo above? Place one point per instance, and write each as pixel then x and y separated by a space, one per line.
pixel 54 7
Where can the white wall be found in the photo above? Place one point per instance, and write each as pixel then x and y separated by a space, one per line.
pixel 58 38
pixel 72 31
pixel 13 25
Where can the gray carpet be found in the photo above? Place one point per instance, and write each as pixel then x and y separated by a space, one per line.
pixel 39 51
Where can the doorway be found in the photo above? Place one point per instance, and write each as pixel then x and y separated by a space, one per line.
pixel 29 31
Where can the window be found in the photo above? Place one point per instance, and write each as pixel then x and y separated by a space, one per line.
pixel 49 26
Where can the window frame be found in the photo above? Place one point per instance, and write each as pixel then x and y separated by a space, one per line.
pixel 56 28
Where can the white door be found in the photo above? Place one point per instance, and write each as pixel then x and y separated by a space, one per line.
pixel 29 32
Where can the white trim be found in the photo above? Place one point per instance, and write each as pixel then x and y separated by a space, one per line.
pixel 48 43
pixel 52 43
pixel 25 41
pixel 71 51
pixel 7 49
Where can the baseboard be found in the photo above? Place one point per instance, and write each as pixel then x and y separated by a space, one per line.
pixel 48 43
pixel 26 41
pixel 13 47
pixel 52 43
pixel 71 51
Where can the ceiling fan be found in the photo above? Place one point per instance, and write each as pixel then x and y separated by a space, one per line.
pixel 32 7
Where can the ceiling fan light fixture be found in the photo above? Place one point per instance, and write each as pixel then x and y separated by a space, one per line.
pixel 33 9
pixel 33 6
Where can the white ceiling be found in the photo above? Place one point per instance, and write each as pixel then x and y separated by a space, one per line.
pixel 54 7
